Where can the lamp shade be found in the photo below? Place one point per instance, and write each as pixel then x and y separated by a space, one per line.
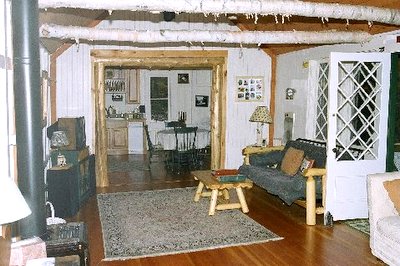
pixel 13 206
pixel 261 114
pixel 59 139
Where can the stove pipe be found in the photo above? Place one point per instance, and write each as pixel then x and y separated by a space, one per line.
pixel 28 114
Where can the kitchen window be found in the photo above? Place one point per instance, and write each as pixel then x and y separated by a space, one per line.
pixel 159 98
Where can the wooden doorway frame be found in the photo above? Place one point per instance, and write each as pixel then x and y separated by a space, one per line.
pixel 214 60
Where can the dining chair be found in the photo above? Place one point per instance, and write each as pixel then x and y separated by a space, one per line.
pixel 151 147
pixel 184 156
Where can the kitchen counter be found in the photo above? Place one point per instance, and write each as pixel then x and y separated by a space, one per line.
pixel 125 136
pixel 117 134
pixel 125 119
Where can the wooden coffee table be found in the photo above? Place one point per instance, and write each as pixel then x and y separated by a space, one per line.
pixel 217 188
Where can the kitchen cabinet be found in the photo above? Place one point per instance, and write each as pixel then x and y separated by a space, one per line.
pixel 123 83
pixel 117 131
pixel 134 86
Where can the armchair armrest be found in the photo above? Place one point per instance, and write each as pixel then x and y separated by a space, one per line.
pixel 379 203
pixel 257 150
pixel 314 172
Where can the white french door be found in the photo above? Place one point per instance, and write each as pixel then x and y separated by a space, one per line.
pixel 357 118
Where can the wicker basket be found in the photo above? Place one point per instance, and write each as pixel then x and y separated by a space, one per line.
pixel 53 219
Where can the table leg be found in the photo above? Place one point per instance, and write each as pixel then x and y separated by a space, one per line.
pixel 242 200
pixel 198 191
pixel 213 201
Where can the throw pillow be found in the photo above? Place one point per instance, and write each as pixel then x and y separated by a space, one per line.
pixel 393 189
pixel 307 163
pixel 291 161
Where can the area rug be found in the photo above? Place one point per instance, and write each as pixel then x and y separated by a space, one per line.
pixel 160 222
pixel 359 224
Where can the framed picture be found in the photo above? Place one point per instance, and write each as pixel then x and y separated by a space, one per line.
pixel 201 101
pixel 183 78
pixel 249 89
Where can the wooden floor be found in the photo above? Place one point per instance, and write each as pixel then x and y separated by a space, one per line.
pixel 302 244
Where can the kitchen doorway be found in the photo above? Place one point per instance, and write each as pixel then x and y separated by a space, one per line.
pixel 214 60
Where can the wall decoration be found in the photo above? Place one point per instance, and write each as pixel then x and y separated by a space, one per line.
pixel 183 78
pixel 249 89
pixel 290 93
pixel 201 100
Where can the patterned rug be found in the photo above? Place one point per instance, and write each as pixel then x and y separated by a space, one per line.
pixel 160 222
pixel 359 224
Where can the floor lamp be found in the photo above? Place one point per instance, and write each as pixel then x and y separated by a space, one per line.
pixel 13 206
pixel 261 115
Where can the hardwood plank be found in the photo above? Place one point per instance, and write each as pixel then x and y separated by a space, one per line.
pixel 302 244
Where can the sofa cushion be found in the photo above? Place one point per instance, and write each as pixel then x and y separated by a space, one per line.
pixel 389 226
pixel 393 189
pixel 268 159
pixel 288 188
pixel 291 161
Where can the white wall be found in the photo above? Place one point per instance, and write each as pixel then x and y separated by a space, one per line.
pixel 74 82
pixel 291 73
pixel 45 66
pixel 6 88
pixel 181 97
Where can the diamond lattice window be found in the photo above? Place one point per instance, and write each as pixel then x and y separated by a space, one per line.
pixel 358 110
pixel 322 102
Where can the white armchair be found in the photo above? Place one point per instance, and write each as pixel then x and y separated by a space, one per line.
pixel 384 219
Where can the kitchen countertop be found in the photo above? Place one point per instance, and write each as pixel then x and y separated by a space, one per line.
pixel 122 122
pixel 128 120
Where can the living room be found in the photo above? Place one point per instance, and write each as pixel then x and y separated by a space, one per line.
pixel 72 87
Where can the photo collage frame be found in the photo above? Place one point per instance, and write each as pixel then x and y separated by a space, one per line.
pixel 249 89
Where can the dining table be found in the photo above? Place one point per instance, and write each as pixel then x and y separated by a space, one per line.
pixel 166 138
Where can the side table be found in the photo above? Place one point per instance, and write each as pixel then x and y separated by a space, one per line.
pixel 68 239
pixel 207 180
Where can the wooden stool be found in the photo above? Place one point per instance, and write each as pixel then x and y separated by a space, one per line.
pixel 218 188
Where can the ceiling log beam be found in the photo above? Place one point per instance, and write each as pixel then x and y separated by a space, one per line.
pixel 199 36
pixel 249 7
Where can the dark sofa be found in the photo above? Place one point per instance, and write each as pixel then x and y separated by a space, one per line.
pixel 263 166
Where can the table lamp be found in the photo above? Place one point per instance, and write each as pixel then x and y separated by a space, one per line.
pixel 59 139
pixel 13 206
pixel 261 115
